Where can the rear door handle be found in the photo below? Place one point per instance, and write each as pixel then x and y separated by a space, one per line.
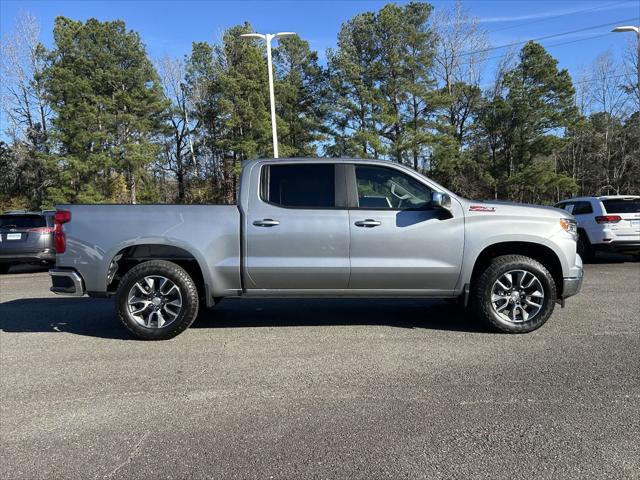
pixel 267 222
pixel 369 223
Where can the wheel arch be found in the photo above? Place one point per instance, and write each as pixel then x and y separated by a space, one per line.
pixel 541 253
pixel 130 256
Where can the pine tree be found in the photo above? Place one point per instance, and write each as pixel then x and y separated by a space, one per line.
pixel 523 125
pixel 406 47
pixel 300 92
pixel 108 103
pixel 352 74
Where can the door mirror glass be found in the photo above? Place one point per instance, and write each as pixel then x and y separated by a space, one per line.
pixel 440 200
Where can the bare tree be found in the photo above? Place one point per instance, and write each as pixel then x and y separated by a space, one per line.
pixel 178 148
pixel 606 94
pixel 23 96
pixel 632 70
pixel 460 56
pixel 26 113
pixel 608 97
pixel 461 48
pixel 505 64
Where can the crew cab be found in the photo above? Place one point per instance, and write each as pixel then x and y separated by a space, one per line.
pixel 319 228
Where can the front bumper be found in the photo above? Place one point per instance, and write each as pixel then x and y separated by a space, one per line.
pixel 571 286
pixel 66 281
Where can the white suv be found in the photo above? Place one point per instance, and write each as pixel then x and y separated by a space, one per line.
pixel 610 223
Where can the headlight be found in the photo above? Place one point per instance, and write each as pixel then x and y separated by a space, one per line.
pixel 569 226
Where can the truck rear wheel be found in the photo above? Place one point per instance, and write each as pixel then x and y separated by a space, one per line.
pixel 157 300
pixel 514 294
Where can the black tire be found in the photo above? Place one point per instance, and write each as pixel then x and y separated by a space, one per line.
pixel 4 267
pixel 482 291
pixel 187 289
pixel 584 248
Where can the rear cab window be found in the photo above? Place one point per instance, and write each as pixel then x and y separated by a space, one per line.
pixel 299 185
pixel 621 205
pixel 20 222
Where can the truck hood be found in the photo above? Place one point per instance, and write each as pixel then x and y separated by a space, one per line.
pixel 500 208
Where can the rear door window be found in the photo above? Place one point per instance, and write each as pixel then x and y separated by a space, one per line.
pixel 20 222
pixel 620 205
pixel 582 208
pixel 568 207
pixel 300 186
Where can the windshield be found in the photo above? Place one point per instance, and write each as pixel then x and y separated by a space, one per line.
pixel 620 205
pixel 22 221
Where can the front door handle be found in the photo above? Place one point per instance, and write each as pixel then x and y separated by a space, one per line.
pixel 368 223
pixel 267 222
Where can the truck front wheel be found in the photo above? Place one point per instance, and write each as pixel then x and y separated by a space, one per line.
pixel 157 300
pixel 514 294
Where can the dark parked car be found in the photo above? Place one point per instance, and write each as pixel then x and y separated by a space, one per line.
pixel 26 237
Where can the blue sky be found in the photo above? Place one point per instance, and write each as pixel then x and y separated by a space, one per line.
pixel 169 27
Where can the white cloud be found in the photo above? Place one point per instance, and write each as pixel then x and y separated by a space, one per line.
pixel 542 15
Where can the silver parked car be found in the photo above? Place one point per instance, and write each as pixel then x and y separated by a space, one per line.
pixel 303 227
pixel 26 237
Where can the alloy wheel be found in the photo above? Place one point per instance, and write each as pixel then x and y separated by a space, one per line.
pixel 154 302
pixel 517 296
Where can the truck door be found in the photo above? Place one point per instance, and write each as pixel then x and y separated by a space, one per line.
pixel 297 229
pixel 397 241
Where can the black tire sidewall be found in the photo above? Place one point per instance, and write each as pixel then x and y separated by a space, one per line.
pixel 583 247
pixel 496 269
pixel 183 281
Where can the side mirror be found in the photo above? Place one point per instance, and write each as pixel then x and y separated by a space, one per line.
pixel 440 200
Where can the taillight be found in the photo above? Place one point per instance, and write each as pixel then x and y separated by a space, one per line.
pixel 59 241
pixel 62 216
pixel 42 230
pixel 608 219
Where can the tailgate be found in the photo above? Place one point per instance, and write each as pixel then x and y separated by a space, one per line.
pixel 628 209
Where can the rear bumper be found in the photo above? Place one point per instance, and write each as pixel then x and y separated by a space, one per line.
pixel 28 257
pixel 619 246
pixel 66 281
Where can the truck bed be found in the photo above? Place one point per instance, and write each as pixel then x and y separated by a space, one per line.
pixel 209 233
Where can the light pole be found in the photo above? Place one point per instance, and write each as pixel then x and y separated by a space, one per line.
pixel 267 37
pixel 630 28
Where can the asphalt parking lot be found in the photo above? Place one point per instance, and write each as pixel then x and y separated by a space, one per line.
pixel 321 389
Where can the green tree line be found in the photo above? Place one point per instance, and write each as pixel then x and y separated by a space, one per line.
pixel 95 119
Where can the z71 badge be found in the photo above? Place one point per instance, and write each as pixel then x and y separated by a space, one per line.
pixel 481 208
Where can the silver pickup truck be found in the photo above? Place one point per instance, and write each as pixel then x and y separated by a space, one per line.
pixel 318 228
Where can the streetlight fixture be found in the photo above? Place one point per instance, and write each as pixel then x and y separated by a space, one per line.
pixel 267 37
pixel 631 28
pixel 627 28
